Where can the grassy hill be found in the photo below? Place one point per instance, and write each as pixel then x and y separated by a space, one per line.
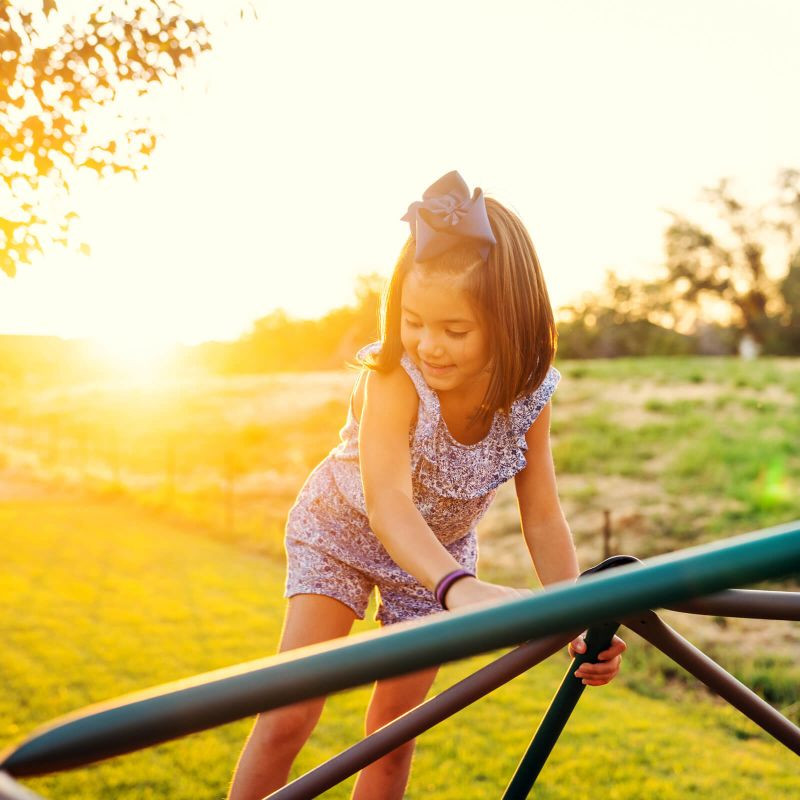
pixel 107 598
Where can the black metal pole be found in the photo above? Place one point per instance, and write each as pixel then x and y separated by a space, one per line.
pixel 745 603
pixel 659 634
pixel 598 638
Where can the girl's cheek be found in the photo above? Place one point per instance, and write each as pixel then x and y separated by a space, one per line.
pixel 409 342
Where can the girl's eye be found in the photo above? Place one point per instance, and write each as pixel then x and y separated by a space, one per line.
pixel 412 324
pixel 457 334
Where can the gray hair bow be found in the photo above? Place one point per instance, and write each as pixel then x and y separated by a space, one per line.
pixel 446 216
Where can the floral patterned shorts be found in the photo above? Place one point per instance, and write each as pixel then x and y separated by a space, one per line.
pixel 311 570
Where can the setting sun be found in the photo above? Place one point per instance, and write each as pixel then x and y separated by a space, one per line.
pixel 132 356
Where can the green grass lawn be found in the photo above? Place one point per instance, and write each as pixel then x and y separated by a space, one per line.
pixel 106 598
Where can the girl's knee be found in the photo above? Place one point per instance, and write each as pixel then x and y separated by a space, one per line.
pixel 381 714
pixel 285 728
pixel 387 707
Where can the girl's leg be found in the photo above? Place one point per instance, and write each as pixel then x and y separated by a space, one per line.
pixel 278 735
pixel 387 777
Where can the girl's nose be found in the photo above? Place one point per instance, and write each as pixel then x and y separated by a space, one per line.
pixel 429 344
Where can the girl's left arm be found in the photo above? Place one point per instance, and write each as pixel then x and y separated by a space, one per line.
pixel 544 526
pixel 549 539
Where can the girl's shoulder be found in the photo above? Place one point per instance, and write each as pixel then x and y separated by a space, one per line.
pixel 397 387
pixel 409 369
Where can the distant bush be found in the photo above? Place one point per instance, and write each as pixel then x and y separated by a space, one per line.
pixel 607 338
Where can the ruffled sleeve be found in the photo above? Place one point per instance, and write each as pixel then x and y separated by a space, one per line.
pixel 368 350
pixel 453 470
pixel 527 408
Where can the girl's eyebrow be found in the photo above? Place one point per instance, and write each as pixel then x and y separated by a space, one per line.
pixel 442 321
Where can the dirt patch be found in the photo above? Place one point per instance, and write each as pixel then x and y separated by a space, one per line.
pixel 642 518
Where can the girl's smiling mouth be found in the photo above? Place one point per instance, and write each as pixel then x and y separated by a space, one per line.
pixel 436 367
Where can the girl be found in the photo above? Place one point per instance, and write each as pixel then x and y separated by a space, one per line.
pixel 453 401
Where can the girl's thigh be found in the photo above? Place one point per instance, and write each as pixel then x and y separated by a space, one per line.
pixel 310 619
pixel 314 618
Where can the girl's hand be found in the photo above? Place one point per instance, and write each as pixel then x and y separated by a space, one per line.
pixel 603 672
pixel 468 591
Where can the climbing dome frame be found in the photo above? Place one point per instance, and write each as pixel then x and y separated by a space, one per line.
pixel 619 591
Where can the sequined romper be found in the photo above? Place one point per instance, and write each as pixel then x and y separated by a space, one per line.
pixel 329 545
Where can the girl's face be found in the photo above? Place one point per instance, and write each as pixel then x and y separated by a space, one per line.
pixel 441 331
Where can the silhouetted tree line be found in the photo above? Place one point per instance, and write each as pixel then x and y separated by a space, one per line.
pixel 713 291
pixel 278 342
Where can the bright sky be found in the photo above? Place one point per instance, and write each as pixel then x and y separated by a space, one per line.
pixel 300 142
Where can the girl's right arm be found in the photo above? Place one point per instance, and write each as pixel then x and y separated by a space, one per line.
pixel 389 408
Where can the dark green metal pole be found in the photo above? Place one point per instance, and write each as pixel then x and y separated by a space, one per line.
pixel 598 638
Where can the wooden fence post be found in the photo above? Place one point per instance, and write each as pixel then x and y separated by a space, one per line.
pixel 606 533
pixel 169 470
pixel 230 496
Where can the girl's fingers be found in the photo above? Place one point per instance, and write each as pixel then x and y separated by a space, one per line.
pixel 618 647
pixel 596 673
pixel 601 668
pixel 597 680
pixel 577 645
pixel 588 670
pixel 607 666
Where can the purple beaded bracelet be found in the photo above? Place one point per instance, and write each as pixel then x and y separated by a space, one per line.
pixel 446 582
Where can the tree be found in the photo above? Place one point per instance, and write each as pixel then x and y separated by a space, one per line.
pixel 57 71
pixel 621 319
pixel 790 289
pixel 701 267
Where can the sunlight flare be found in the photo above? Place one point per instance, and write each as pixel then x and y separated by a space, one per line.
pixel 134 355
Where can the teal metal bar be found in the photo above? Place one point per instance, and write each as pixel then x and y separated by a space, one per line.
pixel 204 701
pixel 598 638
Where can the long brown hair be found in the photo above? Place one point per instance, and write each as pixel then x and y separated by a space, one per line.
pixel 510 297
